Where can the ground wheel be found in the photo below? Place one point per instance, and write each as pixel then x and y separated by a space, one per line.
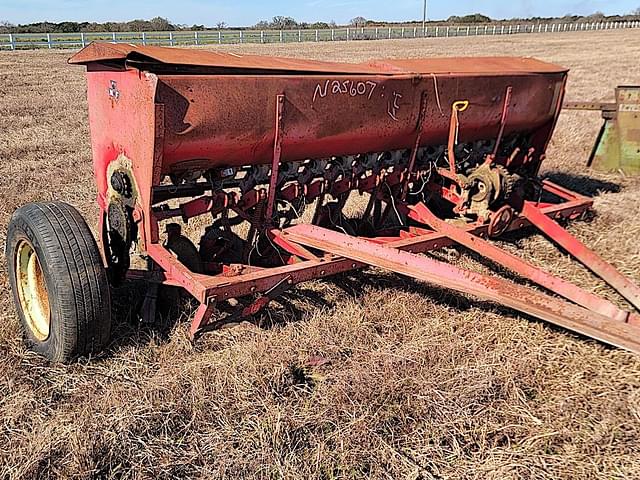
pixel 58 280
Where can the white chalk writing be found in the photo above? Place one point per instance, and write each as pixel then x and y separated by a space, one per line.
pixel 393 106
pixel 344 87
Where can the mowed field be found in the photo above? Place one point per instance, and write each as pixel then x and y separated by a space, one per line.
pixel 417 382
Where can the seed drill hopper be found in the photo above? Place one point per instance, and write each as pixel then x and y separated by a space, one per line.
pixel 228 175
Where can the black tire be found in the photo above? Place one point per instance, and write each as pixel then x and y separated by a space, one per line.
pixel 68 263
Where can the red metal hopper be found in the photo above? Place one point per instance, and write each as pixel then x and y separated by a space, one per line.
pixel 443 151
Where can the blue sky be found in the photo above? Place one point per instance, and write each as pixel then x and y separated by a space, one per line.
pixel 248 12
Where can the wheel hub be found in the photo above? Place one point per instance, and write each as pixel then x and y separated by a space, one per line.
pixel 32 291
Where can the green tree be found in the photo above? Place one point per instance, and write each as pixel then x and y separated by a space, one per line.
pixel 358 22
pixel 161 24
pixel 281 23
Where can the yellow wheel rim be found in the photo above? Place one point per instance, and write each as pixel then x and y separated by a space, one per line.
pixel 32 291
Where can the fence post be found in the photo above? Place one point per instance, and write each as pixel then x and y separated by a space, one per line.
pixel 467 30
pixel 195 38
pixel 113 37
pixel 262 36
pixel 414 32
pixel 389 32
pixel 316 34
pixel 171 39
pixel 510 27
pixel 12 41
pixel 402 32
pixel 81 39
pixel 219 37
pixel 281 36
pixel 436 31
pixel 447 30
pixel 241 35
pixel 376 33
pixel 333 35
pixel 49 39
pixel 347 34
pixel 299 35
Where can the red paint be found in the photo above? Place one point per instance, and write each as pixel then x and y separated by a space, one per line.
pixel 166 111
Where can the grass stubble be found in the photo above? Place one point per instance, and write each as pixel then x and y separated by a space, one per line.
pixel 367 375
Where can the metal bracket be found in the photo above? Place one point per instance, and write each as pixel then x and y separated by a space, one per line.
pixel 421 116
pixel 241 312
pixel 503 119
pixel 277 152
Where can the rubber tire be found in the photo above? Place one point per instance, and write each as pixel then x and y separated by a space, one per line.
pixel 75 277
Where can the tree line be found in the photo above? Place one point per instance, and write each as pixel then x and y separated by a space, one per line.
pixel 280 22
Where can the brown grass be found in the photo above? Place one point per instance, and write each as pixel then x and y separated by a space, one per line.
pixel 421 383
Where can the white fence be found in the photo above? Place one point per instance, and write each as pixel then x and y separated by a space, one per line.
pixel 19 41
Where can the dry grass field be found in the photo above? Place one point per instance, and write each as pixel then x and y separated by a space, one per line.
pixel 419 384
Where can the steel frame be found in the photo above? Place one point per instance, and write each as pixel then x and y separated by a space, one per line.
pixel 209 289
